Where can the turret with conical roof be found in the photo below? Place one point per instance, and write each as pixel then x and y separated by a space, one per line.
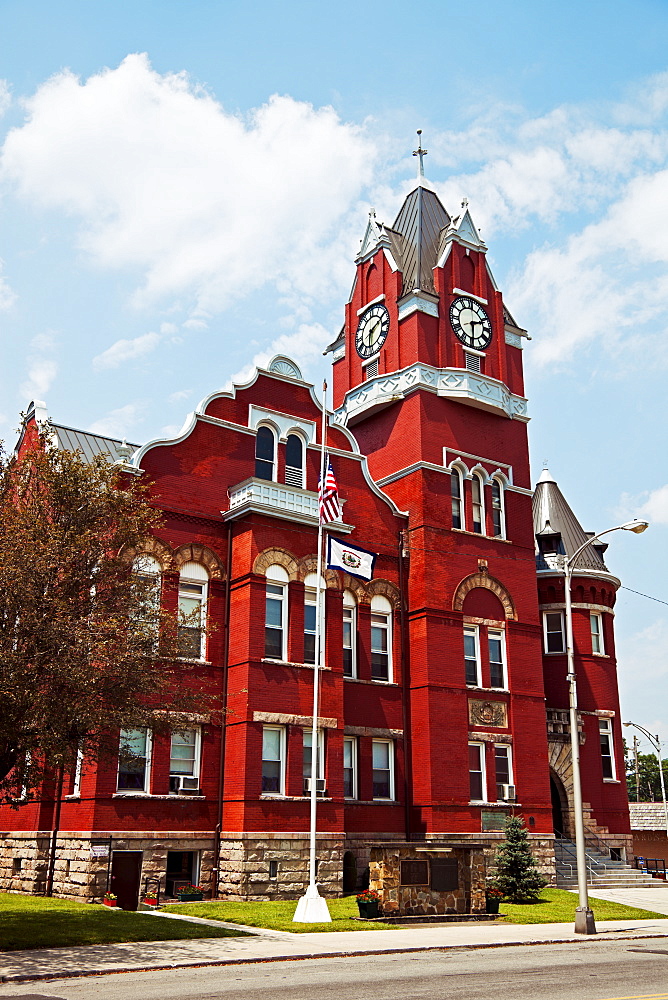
pixel 558 531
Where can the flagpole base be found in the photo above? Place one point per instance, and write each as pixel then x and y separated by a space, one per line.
pixel 312 908
pixel 584 920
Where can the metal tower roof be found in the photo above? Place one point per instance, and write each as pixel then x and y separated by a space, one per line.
pixel 553 518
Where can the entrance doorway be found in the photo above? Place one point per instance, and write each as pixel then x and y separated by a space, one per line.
pixel 559 806
pixel 125 877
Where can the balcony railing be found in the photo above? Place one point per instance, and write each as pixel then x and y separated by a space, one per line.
pixel 278 500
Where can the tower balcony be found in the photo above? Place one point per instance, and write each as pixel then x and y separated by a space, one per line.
pixel 288 503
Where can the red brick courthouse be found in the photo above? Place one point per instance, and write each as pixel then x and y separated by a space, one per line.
pixel 444 698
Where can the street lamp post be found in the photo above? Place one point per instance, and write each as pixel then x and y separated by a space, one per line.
pixel 656 746
pixel 584 916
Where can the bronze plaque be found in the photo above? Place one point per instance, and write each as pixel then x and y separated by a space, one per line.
pixel 414 873
pixel 494 819
pixel 444 874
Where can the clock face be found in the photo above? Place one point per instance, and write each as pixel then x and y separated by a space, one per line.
pixel 471 323
pixel 372 330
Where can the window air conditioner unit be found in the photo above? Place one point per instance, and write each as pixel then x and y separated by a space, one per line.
pixel 184 784
pixel 508 792
pixel 320 787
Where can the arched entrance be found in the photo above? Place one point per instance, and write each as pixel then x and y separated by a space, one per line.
pixel 559 806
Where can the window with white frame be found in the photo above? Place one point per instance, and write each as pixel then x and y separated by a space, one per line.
pixel 457 495
pixel 78 767
pixel 148 575
pixel 472 655
pixel 478 504
pixel 496 643
pixel 498 511
pixel 276 613
pixel 383 769
pixel 350 767
pixel 553 631
pixel 310 616
pixel 596 626
pixel 349 635
pixel 134 760
pixel 607 748
pixel 193 585
pixel 477 781
pixel 294 461
pixel 273 760
pixel 265 453
pixel 381 639
pixel 503 766
pixel 307 743
pixel 184 760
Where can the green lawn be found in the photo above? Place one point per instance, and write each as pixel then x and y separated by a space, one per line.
pixel 278 915
pixel 35 922
pixel 557 906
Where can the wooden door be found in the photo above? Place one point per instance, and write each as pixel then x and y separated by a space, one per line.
pixel 126 877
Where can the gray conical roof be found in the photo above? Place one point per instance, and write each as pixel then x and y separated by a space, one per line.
pixel 554 519
pixel 415 238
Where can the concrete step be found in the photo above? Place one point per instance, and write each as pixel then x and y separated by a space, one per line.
pixel 608 883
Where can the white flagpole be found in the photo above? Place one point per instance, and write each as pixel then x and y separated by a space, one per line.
pixel 312 908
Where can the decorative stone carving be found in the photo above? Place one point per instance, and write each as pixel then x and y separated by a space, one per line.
pixel 483 579
pixel 309 564
pixel 276 557
pixel 384 588
pixel 151 547
pixel 194 552
pixel 488 713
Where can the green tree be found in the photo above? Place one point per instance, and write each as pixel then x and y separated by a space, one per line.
pixel 648 787
pixel 84 648
pixel 516 873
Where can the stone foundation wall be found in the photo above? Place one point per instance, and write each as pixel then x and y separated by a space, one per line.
pixel 24 860
pixel 413 900
pixel 245 869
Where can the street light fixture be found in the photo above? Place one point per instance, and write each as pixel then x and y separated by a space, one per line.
pixel 584 916
pixel 656 746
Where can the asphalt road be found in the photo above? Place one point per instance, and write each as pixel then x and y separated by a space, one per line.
pixel 633 970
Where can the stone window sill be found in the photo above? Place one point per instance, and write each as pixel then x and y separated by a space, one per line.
pixel 149 795
pixel 269 796
pixel 371 802
pixel 496 805
pixel 478 534
pixel 476 687
pixel 364 680
pixel 611 781
pixel 289 663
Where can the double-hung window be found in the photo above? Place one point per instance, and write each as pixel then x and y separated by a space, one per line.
pixel 504 770
pixel 553 631
pixel 310 617
pixel 472 655
pixel 276 613
pixel 477 781
pixel 273 760
pixel 349 635
pixel 607 748
pixel 307 743
pixel 134 760
pixel 381 639
pixel 193 582
pixel 497 658
pixel 265 454
pixel 184 760
pixel 498 513
pixel 147 574
pixel 383 769
pixel 457 499
pixel 350 767
pixel 596 626
pixel 478 502
pixel 294 461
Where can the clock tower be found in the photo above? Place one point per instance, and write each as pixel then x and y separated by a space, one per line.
pixel 427 374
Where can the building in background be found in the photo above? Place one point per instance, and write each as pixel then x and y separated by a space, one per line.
pixel 432 718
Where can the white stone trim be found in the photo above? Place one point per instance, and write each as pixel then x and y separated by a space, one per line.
pixel 289 503
pixel 283 422
pixel 470 295
pixel 417 302
pixel 416 466
pixel 372 302
pixel 282 719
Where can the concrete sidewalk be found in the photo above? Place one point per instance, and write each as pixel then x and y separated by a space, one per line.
pixel 271 946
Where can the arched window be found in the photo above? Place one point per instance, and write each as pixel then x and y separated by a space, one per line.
pixel 276 614
pixel 310 623
pixel 498 511
pixel 349 634
pixel 381 639
pixel 457 498
pixel 193 586
pixel 294 461
pixel 478 502
pixel 265 454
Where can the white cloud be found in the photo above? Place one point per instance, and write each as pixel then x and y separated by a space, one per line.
pixel 126 350
pixel 181 394
pixel 199 201
pixel 119 423
pixel 42 367
pixel 303 346
pixel 5 97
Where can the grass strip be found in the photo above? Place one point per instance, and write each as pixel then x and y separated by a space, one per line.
pixel 557 906
pixel 36 922
pixel 277 915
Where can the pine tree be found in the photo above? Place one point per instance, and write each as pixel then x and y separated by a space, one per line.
pixel 516 873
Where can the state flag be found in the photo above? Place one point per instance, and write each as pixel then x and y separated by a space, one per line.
pixel 350 558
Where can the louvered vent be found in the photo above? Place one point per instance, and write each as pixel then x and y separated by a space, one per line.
pixel 473 362
pixel 371 369
pixel 293 476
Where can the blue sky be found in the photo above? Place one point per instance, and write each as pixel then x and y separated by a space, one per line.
pixel 183 187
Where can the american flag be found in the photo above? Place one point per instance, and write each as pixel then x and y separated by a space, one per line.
pixel 328 497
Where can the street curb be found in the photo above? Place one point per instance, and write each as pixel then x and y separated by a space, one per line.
pixel 82 974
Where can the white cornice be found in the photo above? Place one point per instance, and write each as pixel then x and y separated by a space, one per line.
pixel 468 387
pixel 590 574
pixel 432 467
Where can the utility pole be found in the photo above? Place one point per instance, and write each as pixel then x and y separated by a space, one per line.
pixel 635 758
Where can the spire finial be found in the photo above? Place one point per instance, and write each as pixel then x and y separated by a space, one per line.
pixel 420 153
